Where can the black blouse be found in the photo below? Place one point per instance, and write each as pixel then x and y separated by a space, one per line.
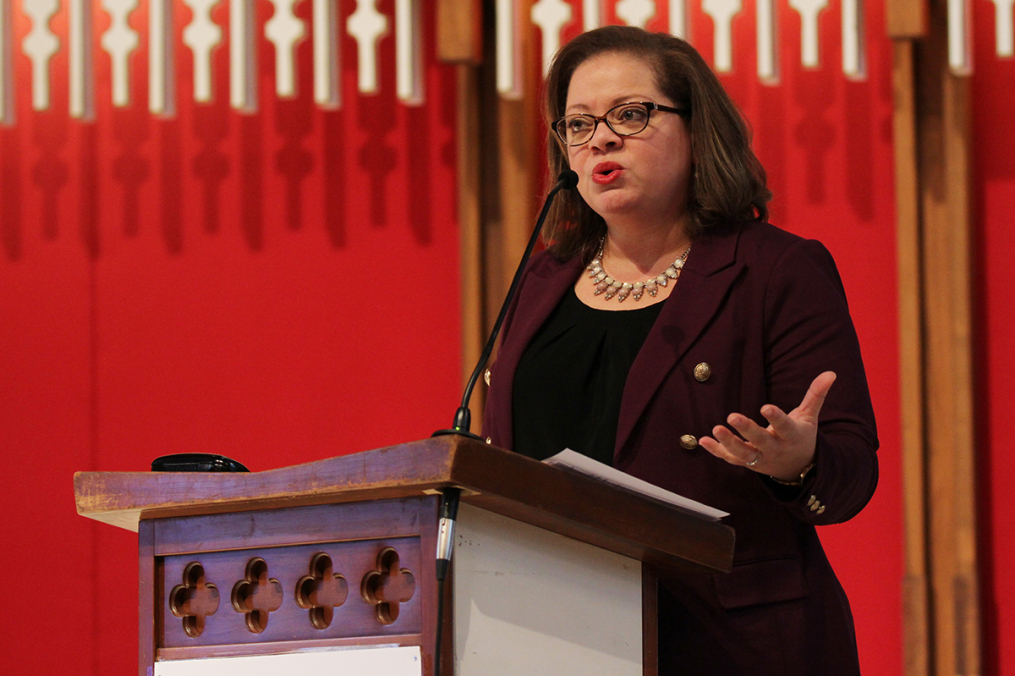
pixel 570 380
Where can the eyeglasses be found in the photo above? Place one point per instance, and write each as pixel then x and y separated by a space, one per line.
pixel 626 119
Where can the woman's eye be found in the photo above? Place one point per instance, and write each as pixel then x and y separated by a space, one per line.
pixel 631 114
pixel 578 124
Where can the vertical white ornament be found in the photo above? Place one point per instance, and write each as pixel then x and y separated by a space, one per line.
pixel 959 39
pixel 82 70
pixel 551 16
pixel 636 12
pixel 854 63
pixel 161 78
pixel 242 56
pixel 768 55
pixel 809 11
pixel 327 93
pixel 367 26
pixel 409 52
pixel 119 41
pixel 678 18
pixel 6 78
pixel 592 14
pixel 40 45
pixel 508 47
pixel 722 13
pixel 202 35
pixel 284 30
pixel 1004 28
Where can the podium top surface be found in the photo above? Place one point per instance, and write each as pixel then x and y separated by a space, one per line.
pixel 500 481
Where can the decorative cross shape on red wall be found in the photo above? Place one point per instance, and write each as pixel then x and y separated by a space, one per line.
pixel 321 591
pixel 388 586
pixel 257 595
pixel 194 600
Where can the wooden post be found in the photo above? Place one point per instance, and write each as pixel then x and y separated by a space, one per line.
pixel 916 643
pixel 932 158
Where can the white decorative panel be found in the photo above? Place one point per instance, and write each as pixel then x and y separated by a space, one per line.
pixel 82 70
pixel 1004 27
pixel 508 50
pixel 959 40
pixel 592 14
pixel 809 11
pixel 327 93
pixel 551 16
pixel 119 41
pixel 40 45
pixel 854 62
pixel 768 55
pixel 242 56
pixel 361 661
pixel 528 602
pixel 367 26
pixel 722 13
pixel 161 73
pixel 284 30
pixel 636 12
pixel 6 72
pixel 678 18
pixel 202 35
pixel 409 51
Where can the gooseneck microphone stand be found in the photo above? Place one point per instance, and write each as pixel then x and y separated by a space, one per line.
pixel 463 418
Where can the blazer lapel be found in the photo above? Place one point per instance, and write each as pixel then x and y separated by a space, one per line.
pixel 704 282
pixel 540 294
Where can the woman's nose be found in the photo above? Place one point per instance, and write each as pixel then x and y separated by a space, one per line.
pixel 603 136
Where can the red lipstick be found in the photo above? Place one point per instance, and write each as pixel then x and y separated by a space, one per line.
pixel 606 172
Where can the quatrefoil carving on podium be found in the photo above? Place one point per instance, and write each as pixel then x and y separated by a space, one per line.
pixel 321 591
pixel 194 600
pixel 388 586
pixel 257 595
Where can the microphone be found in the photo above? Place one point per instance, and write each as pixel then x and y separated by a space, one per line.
pixel 446 531
pixel 462 424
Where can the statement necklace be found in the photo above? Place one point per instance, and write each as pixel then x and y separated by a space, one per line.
pixel 611 287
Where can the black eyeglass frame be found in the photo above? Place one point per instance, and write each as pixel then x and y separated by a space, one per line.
pixel 649 107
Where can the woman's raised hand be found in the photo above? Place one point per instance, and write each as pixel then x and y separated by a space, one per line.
pixel 783 449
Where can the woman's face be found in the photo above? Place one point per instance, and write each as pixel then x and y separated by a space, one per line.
pixel 644 176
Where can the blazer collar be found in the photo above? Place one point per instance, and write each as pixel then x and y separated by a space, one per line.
pixel 705 280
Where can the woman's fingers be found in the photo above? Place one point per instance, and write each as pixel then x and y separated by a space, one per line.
pixel 810 407
pixel 754 433
pixel 787 442
pixel 729 447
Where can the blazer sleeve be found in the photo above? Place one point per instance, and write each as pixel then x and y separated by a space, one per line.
pixel 809 331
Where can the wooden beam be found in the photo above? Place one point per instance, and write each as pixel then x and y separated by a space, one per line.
pixel 519 171
pixel 470 238
pixel 460 31
pixel 945 160
pixel 916 618
pixel 907 18
pixel 520 165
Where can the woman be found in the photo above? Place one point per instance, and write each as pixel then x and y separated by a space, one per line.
pixel 668 330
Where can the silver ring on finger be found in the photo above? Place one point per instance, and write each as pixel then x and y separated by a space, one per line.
pixel 752 463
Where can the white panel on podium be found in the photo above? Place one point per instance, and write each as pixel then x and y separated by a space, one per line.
pixel 379 661
pixel 528 601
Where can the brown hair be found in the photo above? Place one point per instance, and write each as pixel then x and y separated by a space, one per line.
pixel 727 182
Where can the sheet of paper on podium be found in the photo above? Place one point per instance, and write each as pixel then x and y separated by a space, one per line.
pixel 585 465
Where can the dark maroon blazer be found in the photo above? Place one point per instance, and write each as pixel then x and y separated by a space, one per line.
pixel 767 312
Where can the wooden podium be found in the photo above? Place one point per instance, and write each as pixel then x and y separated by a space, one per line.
pixel 328 567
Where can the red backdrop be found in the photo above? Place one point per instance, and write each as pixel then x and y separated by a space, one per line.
pixel 278 287
pixel 994 204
